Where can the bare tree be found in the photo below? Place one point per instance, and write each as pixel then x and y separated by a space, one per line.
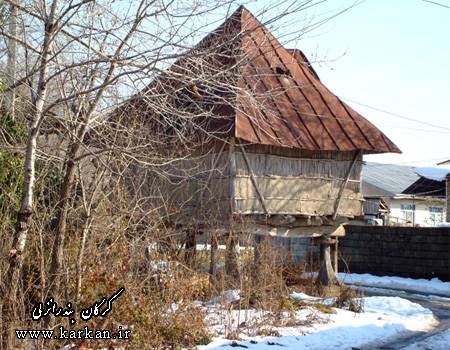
pixel 73 57
pixel 79 61
pixel 11 63
pixel 24 215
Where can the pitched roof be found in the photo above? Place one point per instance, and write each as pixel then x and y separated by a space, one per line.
pixel 280 100
pixel 427 187
pixel 298 110
pixel 390 179
pixel 436 173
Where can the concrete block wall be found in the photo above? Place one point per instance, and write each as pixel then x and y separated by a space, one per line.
pixel 422 252
pixel 295 249
pixel 447 191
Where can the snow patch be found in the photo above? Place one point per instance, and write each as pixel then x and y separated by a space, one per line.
pixel 383 317
pixel 433 286
pixel 303 297
pixel 227 297
pixel 413 316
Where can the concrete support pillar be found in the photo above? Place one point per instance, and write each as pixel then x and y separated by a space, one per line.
pixel 335 255
pixel 327 275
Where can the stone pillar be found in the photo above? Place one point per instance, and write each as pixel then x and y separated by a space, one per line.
pixel 327 276
pixel 335 252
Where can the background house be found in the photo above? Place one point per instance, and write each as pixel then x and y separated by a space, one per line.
pixel 399 196
pixel 447 189
pixel 437 180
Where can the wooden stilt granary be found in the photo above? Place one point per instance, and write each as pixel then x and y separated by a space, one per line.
pixel 274 152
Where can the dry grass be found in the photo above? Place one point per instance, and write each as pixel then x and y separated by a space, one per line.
pixel 159 305
pixel 349 299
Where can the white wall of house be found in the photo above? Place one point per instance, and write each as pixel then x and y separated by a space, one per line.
pixel 418 212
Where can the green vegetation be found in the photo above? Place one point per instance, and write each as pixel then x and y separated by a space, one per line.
pixel 12 134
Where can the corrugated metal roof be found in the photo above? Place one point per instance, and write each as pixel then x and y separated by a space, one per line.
pixel 390 178
pixel 437 173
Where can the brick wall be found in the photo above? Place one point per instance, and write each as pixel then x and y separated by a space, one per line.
pixel 422 252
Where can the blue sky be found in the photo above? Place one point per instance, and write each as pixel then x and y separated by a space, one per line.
pixel 393 55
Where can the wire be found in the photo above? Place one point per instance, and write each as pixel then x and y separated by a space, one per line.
pixel 409 162
pixel 436 3
pixel 414 129
pixel 395 114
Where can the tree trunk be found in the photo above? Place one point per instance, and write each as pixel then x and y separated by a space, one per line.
pixel 335 252
pixel 10 95
pixel 232 257
pixel 67 186
pixel 54 281
pixel 24 216
pixel 61 222
pixel 212 263
pixel 83 239
pixel 259 251
pixel 190 248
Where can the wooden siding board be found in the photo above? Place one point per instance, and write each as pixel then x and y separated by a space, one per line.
pixel 295 186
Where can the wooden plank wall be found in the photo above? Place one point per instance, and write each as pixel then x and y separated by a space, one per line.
pixel 291 181
pixel 188 186
pixel 301 183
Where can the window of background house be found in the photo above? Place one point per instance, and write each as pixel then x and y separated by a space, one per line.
pixel 408 213
pixel 435 215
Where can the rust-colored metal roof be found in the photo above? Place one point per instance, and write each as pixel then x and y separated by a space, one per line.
pixel 279 100
pixel 284 103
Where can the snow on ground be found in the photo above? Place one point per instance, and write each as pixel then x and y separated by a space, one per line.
pixel 207 246
pixel 311 329
pixel 440 341
pixel 226 297
pixel 433 286
pixel 304 297
pixel 406 294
